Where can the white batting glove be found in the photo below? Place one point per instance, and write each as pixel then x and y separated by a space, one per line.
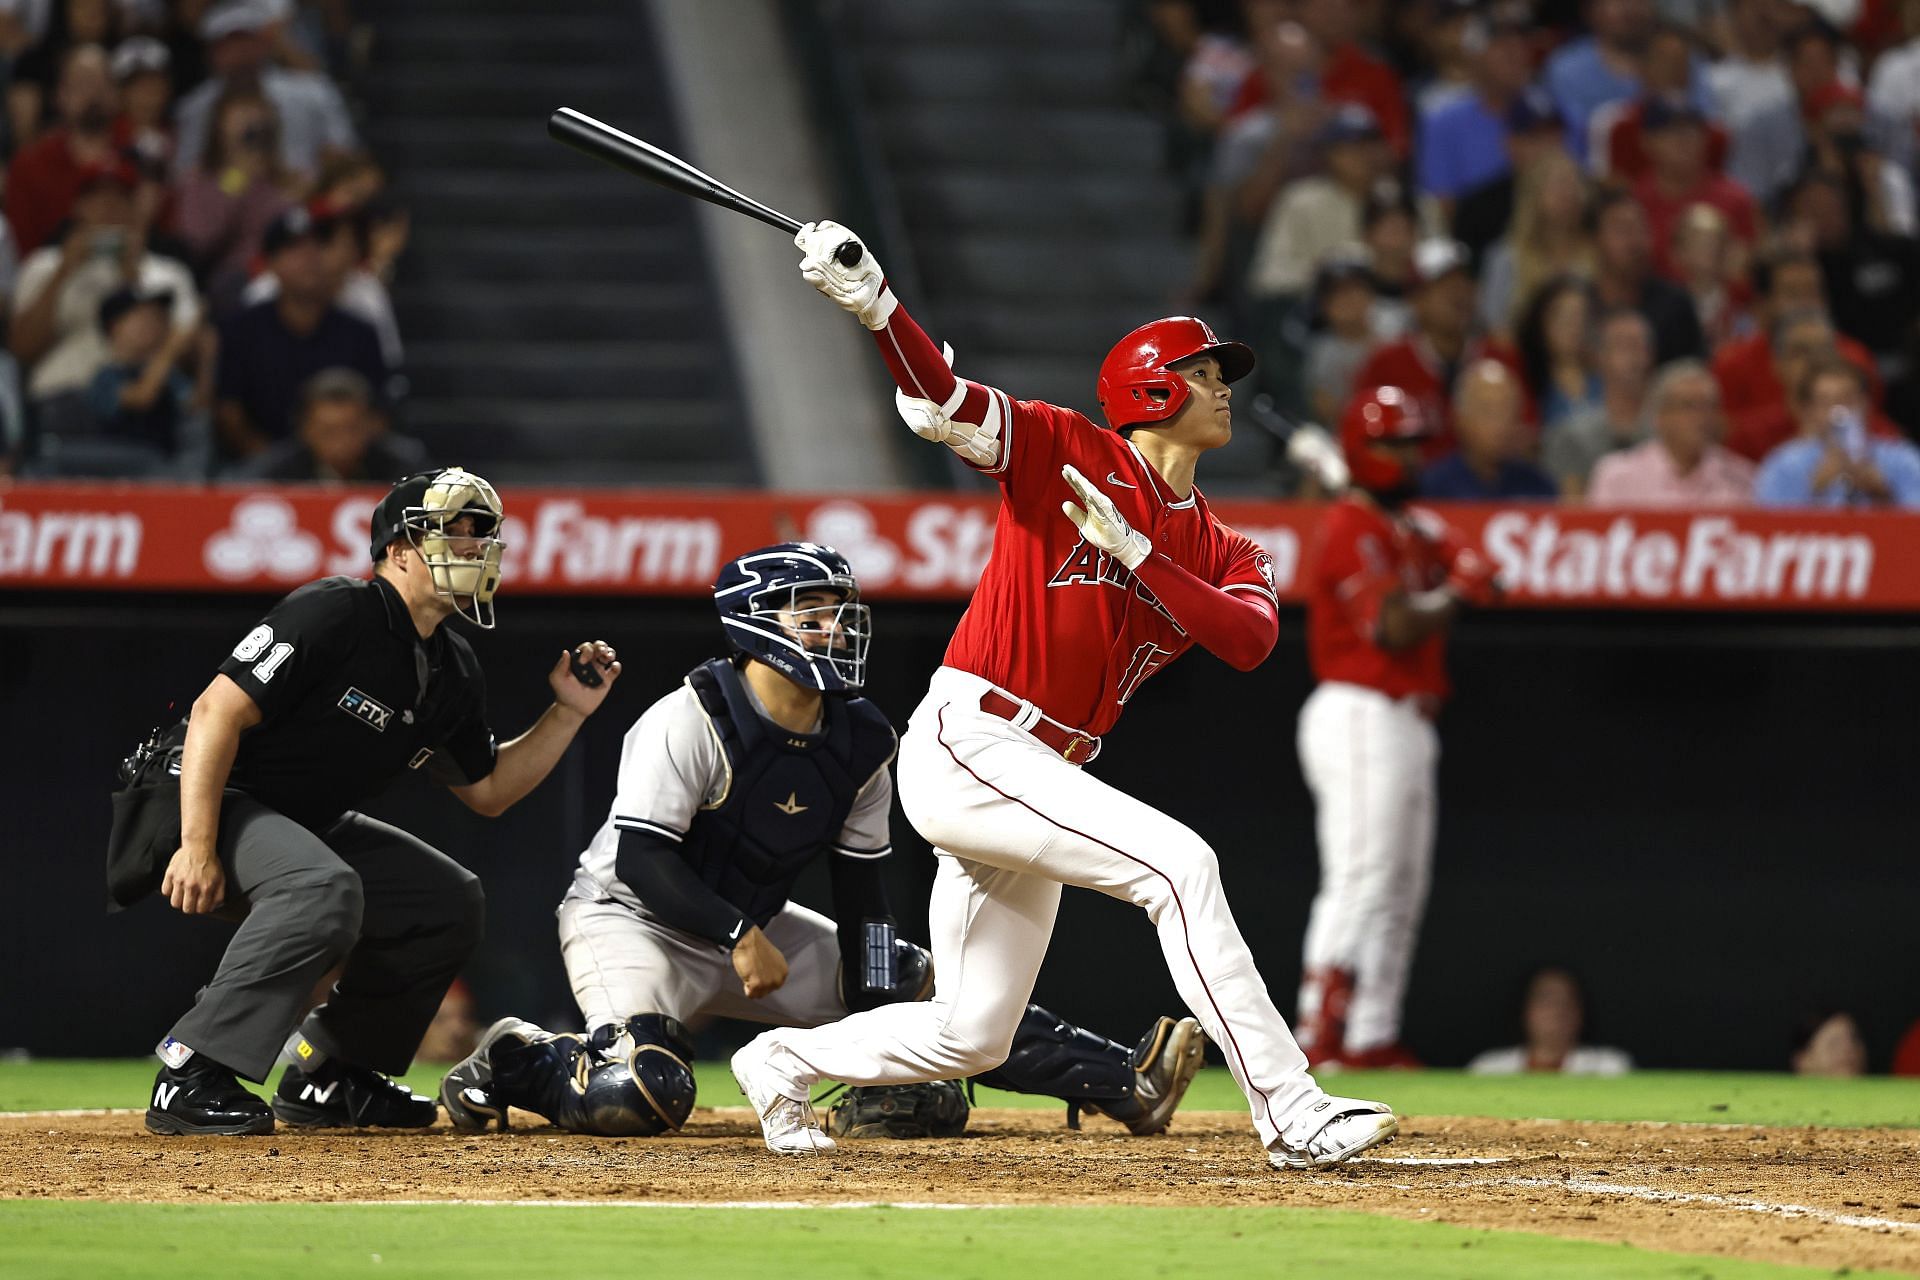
pixel 861 288
pixel 1101 523
pixel 1312 450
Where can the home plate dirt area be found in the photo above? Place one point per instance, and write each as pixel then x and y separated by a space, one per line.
pixel 1819 1197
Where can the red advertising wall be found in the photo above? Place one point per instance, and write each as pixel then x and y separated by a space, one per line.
pixel 916 546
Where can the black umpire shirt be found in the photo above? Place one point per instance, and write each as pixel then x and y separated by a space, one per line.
pixel 351 697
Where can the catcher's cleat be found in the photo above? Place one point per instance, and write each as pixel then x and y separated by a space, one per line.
pixel 1333 1130
pixel 466 1090
pixel 202 1096
pixel 1164 1064
pixel 339 1096
pixel 787 1123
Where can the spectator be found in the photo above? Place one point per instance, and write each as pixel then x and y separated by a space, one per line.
pixel 1344 334
pixel 240 36
pixel 1390 233
pixel 1893 91
pixel 1556 350
pixel 1550 238
pixel 1800 340
pixel 1605 66
pixel 1678 178
pixel 1786 280
pixel 1317 215
pixel 142 71
pixel 1624 359
pixel 227 202
pixel 1463 142
pixel 354 185
pixel 1836 461
pixel 1624 277
pixel 71 24
pixel 1486 466
pixel 140 396
pixel 1906 1054
pixel 44 179
pixel 1871 276
pixel 358 253
pixel 1426 362
pixel 341 438
pixel 1706 265
pixel 56 331
pixel 1535 130
pixel 1879 194
pixel 1829 1044
pixel 1751 77
pixel 1680 466
pixel 270 349
pixel 1551 1019
pixel 1769 148
pixel 1617 132
pixel 1351 74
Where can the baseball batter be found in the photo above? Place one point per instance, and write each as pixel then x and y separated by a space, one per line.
pixel 1385 585
pixel 759 764
pixel 1106 566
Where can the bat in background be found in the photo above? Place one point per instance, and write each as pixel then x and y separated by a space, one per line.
pixel 624 151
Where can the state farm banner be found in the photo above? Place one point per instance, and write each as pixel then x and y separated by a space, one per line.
pixel 914 546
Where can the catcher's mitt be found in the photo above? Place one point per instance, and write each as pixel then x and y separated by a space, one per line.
pixel 936 1109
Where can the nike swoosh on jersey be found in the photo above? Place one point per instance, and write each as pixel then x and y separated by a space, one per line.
pixel 1114 479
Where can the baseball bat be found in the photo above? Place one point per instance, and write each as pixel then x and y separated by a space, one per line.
pixel 604 142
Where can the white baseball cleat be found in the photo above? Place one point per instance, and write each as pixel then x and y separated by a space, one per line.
pixel 787 1123
pixel 1332 1130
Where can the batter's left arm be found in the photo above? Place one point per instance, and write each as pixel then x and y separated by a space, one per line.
pixel 1238 623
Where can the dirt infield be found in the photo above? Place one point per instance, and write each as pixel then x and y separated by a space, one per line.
pixel 1818 1197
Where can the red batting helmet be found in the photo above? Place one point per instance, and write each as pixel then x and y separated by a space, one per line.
pixel 1384 413
pixel 1138 364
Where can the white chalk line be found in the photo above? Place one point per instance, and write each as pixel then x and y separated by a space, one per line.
pixel 71 1114
pixel 1657 1195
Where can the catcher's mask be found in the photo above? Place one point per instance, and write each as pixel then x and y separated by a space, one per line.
pixel 425 509
pixel 819 646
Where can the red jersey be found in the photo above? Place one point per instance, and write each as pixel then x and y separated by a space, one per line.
pixel 1362 556
pixel 1412 364
pixel 1055 620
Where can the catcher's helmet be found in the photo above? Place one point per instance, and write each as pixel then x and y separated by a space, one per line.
pixel 637 1081
pixel 1381 414
pixel 420 508
pixel 1137 367
pixel 821 647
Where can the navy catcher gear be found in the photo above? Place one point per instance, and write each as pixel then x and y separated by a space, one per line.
pixel 934 1109
pixel 631 1079
pixel 820 647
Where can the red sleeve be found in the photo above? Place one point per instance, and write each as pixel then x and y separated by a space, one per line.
pixel 1354 570
pixel 1026 429
pixel 1238 621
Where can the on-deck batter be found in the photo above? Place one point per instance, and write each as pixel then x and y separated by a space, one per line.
pixel 1385 584
pixel 1106 566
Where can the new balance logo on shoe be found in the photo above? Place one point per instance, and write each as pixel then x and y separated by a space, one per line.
pixel 321 1094
pixel 164 1094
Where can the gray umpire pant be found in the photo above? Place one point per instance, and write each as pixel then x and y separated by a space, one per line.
pixel 401 914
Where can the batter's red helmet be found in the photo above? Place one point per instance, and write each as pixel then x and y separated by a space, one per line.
pixel 1384 413
pixel 1137 366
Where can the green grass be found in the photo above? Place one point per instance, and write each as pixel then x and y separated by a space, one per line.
pixel 48 1239
pixel 1692 1096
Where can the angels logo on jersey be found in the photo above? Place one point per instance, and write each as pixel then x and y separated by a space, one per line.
pixel 1087 565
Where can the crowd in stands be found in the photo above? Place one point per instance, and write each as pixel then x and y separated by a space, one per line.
pixel 196 248
pixel 1622 252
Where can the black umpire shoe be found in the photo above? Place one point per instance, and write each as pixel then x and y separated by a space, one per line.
pixel 205 1097
pixel 338 1096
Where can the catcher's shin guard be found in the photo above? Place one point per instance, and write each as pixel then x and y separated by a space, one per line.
pixel 1053 1057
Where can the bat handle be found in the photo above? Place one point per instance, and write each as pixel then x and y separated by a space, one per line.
pixel 849 254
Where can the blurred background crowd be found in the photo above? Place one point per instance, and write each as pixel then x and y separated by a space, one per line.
pixel 1632 252
pixel 196 249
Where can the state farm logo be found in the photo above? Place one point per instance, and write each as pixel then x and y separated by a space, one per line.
pixel 69 545
pixel 1710 557
pixel 944 546
pixel 263 538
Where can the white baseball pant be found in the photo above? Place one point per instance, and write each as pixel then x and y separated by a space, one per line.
pixel 621 962
pixel 1012 822
pixel 1369 760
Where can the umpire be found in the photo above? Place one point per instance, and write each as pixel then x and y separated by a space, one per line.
pixel 245 809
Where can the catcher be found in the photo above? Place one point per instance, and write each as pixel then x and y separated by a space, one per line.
pixel 729 787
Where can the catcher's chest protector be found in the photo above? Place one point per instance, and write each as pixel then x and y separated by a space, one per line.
pixel 788 794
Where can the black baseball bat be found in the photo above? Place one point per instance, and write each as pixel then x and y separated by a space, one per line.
pixel 604 142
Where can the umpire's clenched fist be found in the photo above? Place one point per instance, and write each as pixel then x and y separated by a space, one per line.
pixel 194 882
